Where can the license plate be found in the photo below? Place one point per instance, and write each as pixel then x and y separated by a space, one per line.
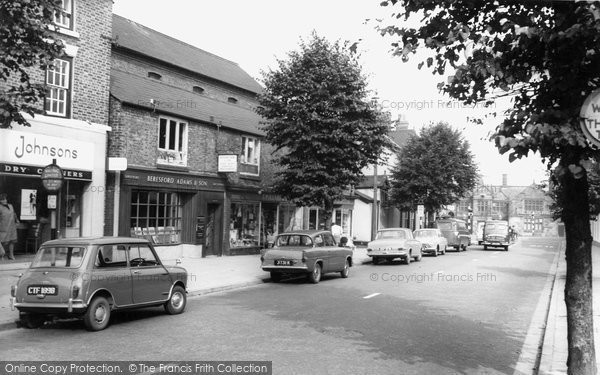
pixel 46 290
pixel 283 262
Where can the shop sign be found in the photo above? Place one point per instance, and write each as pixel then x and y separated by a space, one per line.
pixel 227 163
pixel 52 177
pixel 590 118
pixel 30 170
pixel 17 147
pixel 171 181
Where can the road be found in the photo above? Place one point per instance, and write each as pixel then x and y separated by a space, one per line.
pixel 461 313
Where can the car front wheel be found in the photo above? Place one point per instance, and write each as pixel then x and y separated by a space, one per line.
pixel 315 276
pixel 346 271
pixel 97 316
pixel 407 260
pixel 176 304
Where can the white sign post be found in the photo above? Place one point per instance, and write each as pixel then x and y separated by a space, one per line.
pixel 590 118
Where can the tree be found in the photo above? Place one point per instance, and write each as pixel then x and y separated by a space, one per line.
pixel 435 169
pixel 26 42
pixel 323 128
pixel 546 57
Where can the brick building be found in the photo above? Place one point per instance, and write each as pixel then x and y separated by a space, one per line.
pixel 184 119
pixel 525 207
pixel 71 128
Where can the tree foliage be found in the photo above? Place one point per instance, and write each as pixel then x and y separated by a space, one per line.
pixel 435 169
pixel 26 41
pixel 545 56
pixel 319 120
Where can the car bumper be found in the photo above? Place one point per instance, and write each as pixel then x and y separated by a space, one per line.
pixel 430 250
pixel 72 306
pixel 286 269
pixel 495 243
pixel 387 254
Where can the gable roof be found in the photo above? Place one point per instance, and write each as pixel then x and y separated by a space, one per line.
pixel 137 90
pixel 141 39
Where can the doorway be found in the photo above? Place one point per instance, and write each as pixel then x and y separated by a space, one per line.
pixel 213 230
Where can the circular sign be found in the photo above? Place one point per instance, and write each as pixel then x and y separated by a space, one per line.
pixel 590 118
pixel 52 177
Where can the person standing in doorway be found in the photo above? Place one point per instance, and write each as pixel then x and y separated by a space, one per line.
pixel 336 230
pixel 8 226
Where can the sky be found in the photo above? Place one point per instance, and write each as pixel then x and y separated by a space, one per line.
pixel 255 34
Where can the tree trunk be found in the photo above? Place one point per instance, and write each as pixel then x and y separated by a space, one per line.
pixel 578 289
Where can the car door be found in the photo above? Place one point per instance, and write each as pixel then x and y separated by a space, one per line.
pixel 335 253
pixel 112 273
pixel 151 280
pixel 322 252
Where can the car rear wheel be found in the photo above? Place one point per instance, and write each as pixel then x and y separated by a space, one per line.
pixel 444 251
pixel 275 277
pixel 375 260
pixel 97 316
pixel 407 260
pixel 176 304
pixel 346 271
pixel 419 257
pixel 315 276
pixel 484 247
pixel 435 252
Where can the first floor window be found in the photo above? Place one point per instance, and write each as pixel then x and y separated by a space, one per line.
pixel 156 216
pixel 172 141
pixel 64 18
pixel 58 85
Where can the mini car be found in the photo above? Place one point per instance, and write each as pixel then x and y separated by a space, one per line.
pixel 392 243
pixel 433 240
pixel 309 252
pixel 88 278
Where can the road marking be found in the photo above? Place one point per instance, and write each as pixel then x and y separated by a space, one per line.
pixel 371 295
pixel 475 260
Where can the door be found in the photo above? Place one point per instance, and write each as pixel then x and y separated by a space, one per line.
pixel 213 230
pixel 151 281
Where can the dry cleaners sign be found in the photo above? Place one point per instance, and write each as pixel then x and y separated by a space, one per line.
pixel 39 149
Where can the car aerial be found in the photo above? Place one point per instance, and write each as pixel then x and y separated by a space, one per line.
pixel 433 240
pixel 496 234
pixel 89 278
pixel 393 243
pixel 309 252
pixel 455 231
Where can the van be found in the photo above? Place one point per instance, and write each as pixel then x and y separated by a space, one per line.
pixel 455 231
pixel 496 234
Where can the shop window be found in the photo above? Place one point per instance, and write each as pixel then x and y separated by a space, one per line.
pixel 250 159
pixel 287 219
pixel 243 227
pixel 172 141
pixel 156 216
pixel 58 88
pixel 64 18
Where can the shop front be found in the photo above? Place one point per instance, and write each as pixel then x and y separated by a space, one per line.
pixel 181 214
pixel 77 208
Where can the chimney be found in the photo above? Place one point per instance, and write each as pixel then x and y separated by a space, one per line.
pixel 505 180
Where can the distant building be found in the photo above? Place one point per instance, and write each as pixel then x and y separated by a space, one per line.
pixel 527 208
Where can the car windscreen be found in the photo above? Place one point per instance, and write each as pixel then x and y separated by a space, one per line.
pixel 444 226
pixel 390 234
pixel 496 227
pixel 293 240
pixel 63 257
pixel 425 233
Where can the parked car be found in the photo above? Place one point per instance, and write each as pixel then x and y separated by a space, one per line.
pixel 310 252
pixel 89 278
pixel 455 231
pixel 433 240
pixel 496 234
pixel 392 243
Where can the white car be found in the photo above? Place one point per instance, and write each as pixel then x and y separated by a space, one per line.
pixel 433 241
pixel 392 243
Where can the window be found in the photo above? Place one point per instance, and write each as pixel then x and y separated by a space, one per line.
pixel 231 99
pixel 68 257
pixel 142 256
pixel 250 159
pixel 172 142
pixel 156 216
pixel 58 88
pixel 198 90
pixel 111 256
pixel 64 18
pixel 154 75
pixel 483 207
pixel 534 205
pixel 243 226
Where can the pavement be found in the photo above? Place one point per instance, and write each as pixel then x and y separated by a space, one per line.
pixel 548 329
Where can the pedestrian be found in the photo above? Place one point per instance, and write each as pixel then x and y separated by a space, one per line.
pixel 8 226
pixel 336 230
